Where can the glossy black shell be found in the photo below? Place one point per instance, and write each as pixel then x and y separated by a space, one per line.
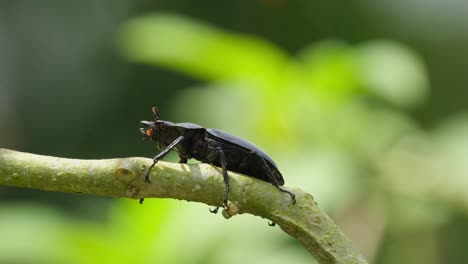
pixel 242 143
pixel 253 168
pixel 188 125
pixel 249 147
pixel 231 139
pixel 203 144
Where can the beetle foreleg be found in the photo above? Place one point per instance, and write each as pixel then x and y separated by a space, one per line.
pixel 274 181
pixel 162 155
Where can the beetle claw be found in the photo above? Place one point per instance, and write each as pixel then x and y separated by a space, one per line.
pixel 147 178
pixel 270 223
pixel 293 196
pixel 214 211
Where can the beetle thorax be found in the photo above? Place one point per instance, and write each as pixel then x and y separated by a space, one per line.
pixel 164 133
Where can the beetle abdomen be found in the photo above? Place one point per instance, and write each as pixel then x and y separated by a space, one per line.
pixel 248 161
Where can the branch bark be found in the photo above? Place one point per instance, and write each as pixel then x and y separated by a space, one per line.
pixel 203 183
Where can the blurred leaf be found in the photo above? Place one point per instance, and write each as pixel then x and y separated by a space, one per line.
pixel 30 234
pixel 452 137
pixel 130 236
pixel 201 50
pixel 394 72
pixel 415 214
pixel 331 70
pixel 327 173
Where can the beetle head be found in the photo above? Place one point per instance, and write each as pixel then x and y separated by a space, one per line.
pixel 154 129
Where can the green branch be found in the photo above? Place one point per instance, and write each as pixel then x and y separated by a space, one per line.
pixel 304 221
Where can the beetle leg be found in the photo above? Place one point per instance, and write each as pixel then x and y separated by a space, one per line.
pixel 183 160
pixel 274 181
pixel 222 158
pixel 161 155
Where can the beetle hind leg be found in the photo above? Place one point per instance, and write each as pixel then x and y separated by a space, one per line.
pixel 293 196
pixel 274 181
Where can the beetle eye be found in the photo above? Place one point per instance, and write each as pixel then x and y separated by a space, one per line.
pixel 149 132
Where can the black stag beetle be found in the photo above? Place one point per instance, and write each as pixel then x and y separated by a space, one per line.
pixel 213 146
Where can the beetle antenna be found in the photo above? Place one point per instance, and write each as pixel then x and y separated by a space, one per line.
pixel 156 113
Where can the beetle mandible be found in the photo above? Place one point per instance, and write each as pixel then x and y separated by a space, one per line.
pixel 213 146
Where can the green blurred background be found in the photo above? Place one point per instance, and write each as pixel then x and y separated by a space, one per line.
pixel 361 103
